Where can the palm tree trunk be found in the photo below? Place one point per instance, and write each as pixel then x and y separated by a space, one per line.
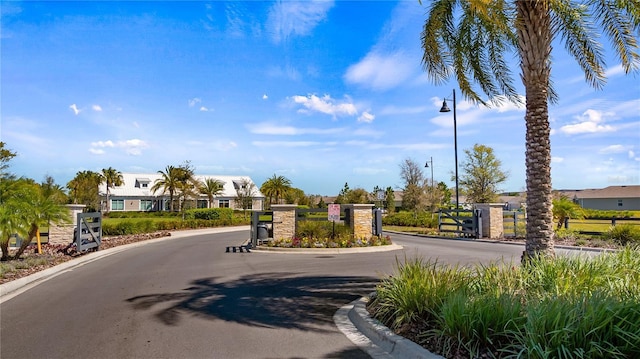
pixel 25 243
pixel 534 33
pixel 107 199
pixel 4 247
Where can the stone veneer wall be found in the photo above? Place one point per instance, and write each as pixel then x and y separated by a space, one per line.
pixel 284 221
pixel 492 220
pixel 361 220
pixel 63 233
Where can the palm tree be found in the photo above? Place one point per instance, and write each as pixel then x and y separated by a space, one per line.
pixel 13 211
pixel 168 183
pixel 471 41
pixel 113 178
pixel 564 209
pixel 83 188
pixel 211 188
pixel 275 188
pixel 41 208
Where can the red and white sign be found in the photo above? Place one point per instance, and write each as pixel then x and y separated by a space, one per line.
pixel 334 212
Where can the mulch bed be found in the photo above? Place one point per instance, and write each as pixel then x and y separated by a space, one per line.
pixel 54 254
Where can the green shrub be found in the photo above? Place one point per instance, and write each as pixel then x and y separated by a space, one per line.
pixel 129 226
pixel 624 234
pixel 411 219
pixel 141 214
pixel 321 229
pixel 602 214
pixel 210 214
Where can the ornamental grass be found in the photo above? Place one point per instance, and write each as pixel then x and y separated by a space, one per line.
pixel 568 307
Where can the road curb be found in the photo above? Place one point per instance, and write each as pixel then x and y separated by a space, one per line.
pixel 373 249
pixel 382 342
pixel 10 289
pixel 481 240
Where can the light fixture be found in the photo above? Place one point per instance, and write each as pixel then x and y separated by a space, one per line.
pixel 445 108
pixel 430 164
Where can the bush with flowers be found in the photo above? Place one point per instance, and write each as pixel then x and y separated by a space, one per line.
pixel 324 234
pixel 336 242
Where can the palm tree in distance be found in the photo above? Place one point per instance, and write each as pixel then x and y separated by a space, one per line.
pixel 275 188
pixel 211 187
pixel 113 178
pixel 470 41
pixel 168 182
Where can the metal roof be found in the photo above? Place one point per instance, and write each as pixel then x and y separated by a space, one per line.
pixel 607 192
pixel 133 185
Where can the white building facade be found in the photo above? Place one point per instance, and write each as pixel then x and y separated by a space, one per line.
pixel 135 194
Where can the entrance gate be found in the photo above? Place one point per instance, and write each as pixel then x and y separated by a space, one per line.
pixel 88 232
pixel 262 225
pixel 463 222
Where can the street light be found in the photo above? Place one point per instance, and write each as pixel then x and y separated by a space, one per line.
pixel 445 108
pixel 430 162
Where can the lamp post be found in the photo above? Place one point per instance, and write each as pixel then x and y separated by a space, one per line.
pixel 430 164
pixel 445 108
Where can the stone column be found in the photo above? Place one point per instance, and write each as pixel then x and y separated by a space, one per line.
pixel 492 223
pixel 361 220
pixel 63 233
pixel 284 221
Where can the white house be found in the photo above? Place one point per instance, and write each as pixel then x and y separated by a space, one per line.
pixel 136 195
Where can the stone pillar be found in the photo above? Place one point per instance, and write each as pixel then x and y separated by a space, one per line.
pixel 63 233
pixel 284 221
pixel 361 220
pixel 492 223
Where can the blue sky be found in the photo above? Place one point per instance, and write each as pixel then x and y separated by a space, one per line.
pixel 321 92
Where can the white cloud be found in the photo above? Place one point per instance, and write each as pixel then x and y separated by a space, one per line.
pixel 612 149
pixel 632 155
pixel 287 18
pixel 132 147
pixel 395 110
pixel 366 117
pixel 75 109
pixel 589 122
pixel 368 170
pixel 96 108
pixel 284 143
pixel 204 109
pixel 225 146
pixel 368 132
pixel 194 101
pixel 557 159
pixel 615 70
pixel 103 144
pixel 268 129
pixel 381 72
pixel 501 104
pixel 264 97
pixel 325 105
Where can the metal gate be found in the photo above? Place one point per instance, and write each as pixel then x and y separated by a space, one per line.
pixel 463 222
pixel 261 227
pixel 88 233
pixel 514 224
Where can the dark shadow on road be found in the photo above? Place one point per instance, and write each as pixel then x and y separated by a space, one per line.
pixel 266 300
pixel 354 353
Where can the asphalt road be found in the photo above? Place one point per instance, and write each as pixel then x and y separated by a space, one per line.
pixel 188 298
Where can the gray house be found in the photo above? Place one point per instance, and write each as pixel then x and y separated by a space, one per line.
pixel 617 198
